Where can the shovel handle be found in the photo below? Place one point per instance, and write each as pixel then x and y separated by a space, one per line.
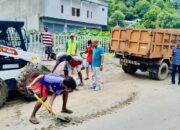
pixel 44 104
pixel 41 101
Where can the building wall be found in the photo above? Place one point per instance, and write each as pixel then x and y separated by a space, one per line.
pixel 99 12
pixel 58 25
pixel 22 10
pixel 38 13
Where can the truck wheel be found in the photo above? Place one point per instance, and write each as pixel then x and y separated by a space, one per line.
pixel 152 75
pixel 26 78
pixel 162 71
pixel 3 92
pixel 125 68
pixel 132 69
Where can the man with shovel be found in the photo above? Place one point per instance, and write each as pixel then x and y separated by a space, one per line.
pixel 56 84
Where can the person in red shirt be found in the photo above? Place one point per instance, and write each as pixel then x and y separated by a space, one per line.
pixel 89 52
pixel 72 62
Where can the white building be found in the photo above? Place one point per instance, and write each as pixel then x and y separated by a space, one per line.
pixel 58 15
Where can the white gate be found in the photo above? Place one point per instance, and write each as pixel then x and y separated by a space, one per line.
pixel 36 46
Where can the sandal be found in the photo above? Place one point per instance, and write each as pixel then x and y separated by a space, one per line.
pixel 86 78
pixel 81 84
pixel 34 121
pixel 67 111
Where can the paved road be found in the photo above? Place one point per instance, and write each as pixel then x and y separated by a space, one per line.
pixel 156 107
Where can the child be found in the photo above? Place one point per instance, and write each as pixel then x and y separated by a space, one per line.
pixel 71 62
pixel 58 85
pixel 89 52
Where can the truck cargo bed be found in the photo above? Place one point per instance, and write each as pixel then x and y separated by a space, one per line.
pixel 146 43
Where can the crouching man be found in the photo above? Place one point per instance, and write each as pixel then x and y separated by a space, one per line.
pixel 71 63
pixel 56 84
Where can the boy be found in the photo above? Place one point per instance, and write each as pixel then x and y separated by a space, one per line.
pixel 71 62
pixel 58 85
pixel 89 52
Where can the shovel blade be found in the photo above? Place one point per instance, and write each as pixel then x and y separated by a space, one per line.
pixel 63 119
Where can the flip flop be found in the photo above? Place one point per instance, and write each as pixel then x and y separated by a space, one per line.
pixel 76 89
pixel 67 111
pixel 86 78
pixel 35 121
pixel 81 84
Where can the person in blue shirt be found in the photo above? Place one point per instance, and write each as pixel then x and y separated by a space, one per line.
pixel 56 84
pixel 176 62
pixel 97 64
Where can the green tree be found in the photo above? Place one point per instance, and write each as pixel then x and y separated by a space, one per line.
pixel 142 7
pixel 130 14
pixel 117 18
pixel 168 20
pixel 119 6
pixel 152 13
pixel 160 4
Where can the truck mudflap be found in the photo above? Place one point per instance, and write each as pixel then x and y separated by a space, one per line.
pixel 127 61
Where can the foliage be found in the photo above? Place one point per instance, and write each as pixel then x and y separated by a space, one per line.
pixel 87 32
pixel 168 20
pixel 153 13
pixel 142 7
pixel 117 19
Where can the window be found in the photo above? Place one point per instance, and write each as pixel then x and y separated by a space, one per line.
pixel 73 11
pixel 91 14
pixel 62 9
pixel 88 14
pixel 12 38
pixel 78 12
pixel 103 9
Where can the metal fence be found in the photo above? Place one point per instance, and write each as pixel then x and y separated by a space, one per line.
pixel 36 46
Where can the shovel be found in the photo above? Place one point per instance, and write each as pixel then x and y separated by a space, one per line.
pixel 63 119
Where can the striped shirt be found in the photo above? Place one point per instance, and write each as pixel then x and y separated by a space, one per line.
pixel 47 38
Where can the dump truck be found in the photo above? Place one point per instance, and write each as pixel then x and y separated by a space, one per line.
pixel 144 49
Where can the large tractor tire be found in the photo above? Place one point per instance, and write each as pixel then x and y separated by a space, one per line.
pixel 25 79
pixel 3 92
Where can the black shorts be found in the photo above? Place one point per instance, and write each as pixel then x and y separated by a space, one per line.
pixel 48 50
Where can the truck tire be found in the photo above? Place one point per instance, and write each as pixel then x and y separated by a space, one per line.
pixel 24 79
pixel 125 68
pixel 152 75
pixel 162 71
pixel 131 69
pixel 3 92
